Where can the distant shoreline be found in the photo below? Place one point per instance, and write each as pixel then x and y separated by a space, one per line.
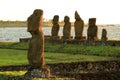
pixel 24 24
pixel 45 24
pixel 13 23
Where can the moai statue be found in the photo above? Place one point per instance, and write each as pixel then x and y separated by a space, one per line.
pixel 55 28
pixel 92 32
pixel 79 26
pixel 104 35
pixel 36 46
pixel 67 28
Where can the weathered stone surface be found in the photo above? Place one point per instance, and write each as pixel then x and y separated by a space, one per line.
pixel 38 73
pixel 79 26
pixel 104 35
pixel 92 32
pixel 55 28
pixel 36 45
pixel 67 28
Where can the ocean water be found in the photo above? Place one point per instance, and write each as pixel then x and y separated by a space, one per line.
pixel 13 34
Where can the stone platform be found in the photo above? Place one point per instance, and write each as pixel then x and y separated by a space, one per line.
pixel 72 41
pixel 99 70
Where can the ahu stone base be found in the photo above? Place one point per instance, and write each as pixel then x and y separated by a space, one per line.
pixel 37 73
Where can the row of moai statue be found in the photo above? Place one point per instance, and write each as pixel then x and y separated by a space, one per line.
pixel 92 32
pixel 35 54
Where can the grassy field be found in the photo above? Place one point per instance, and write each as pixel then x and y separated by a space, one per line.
pixel 17 57
pixel 111 51
pixel 16 53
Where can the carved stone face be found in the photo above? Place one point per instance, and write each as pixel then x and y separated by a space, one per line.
pixel 35 21
pixel 38 12
pixel 66 19
pixel 104 31
pixel 92 21
pixel 55 19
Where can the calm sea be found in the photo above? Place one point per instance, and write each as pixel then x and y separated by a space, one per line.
pixel 13 34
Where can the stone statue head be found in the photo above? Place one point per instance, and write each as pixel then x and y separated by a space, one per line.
pixel 77 16
pixel 66 19
pixel 55 19
pixel 92 21
pixel 38 12
pixel 35 21
pixel 104 32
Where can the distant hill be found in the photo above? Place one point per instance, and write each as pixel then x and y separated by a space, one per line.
pixel 13 23
pixel 24 24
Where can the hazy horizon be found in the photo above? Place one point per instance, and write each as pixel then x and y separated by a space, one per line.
pixel 106 11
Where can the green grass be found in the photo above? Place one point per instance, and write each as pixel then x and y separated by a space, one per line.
pixel 93 50
pixel 17 75
pixel 16 53
pixel 13 45
pixel 67 58
pixel 13 73
pixel 112 51
pixel 17 57
pixel 10 56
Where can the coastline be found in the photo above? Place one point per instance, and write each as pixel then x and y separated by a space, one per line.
pixel 24 24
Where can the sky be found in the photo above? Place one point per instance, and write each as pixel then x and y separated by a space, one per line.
pixel 105 11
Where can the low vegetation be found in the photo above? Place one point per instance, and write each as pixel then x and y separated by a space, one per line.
pixel 16 53
pixel 18 57
pixel 19 75
pixel 111 51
